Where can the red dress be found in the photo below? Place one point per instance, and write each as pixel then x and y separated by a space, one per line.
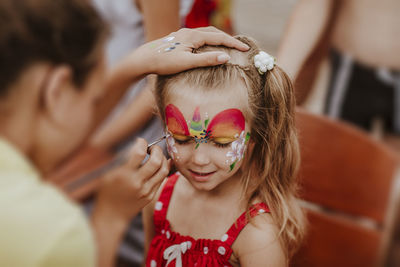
pixel 169 248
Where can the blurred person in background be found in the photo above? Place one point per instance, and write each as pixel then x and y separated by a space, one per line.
pixel 364 39
pixel 215 13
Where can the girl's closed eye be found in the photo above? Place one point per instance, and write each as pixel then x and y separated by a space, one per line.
pixel 182 139
pixel 223 142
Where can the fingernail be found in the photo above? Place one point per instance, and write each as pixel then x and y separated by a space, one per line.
pixel 223 58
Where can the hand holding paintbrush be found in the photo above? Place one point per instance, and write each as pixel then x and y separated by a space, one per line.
pixel 133 182
pixel 120 159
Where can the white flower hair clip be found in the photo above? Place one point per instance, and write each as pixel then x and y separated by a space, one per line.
pixel 264 62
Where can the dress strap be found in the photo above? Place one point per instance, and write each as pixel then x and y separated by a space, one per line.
pixel 242 221
pixel 161 206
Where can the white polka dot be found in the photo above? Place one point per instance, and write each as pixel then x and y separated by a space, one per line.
pixel 189 244
pixel 205 250
pixel 168 234
pixel 158 206
pixel 224 238
pixel 153 263
pixel 163 231
pixel 261 211
pixel 221 250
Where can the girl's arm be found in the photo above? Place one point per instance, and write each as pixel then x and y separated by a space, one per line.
pixel 258 244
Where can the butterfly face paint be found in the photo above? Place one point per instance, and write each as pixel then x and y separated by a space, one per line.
pixel 228 126
pixel 197 131
pixel 177 126
pixel 238 148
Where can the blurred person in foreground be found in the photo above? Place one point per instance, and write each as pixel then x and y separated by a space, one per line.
pixel 364 40
pixel 53 85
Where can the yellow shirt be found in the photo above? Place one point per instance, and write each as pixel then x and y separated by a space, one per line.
pixel 38 225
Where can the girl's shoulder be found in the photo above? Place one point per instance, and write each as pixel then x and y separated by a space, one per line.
pixel 259 244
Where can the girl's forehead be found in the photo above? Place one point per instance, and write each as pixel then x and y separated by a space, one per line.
pixel 208 103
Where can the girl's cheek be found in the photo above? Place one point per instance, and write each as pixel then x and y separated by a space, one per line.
pixel 172 148
pixel 237 150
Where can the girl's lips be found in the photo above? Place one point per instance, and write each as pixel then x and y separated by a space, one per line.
pixel 201 176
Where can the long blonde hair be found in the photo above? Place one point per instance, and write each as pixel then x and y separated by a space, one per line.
pixel 269 172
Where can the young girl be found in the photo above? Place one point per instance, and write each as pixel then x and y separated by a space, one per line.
pixel 232 138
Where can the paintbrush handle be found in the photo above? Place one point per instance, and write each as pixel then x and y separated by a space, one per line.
pixel 155 142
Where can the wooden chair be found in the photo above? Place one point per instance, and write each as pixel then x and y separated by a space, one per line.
pixel 350 190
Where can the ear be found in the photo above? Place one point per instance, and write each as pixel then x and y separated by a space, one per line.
pixel 58 84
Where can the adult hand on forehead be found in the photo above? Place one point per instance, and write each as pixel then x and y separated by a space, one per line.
pixel 173 53
pixel 158 57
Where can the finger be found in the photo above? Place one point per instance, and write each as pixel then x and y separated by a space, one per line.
pixel 217 38
pixel 155 181
pixel 137 153
pixel 153 164
pixel 208 29
pixel 205 59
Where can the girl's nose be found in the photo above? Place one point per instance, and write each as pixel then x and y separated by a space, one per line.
pixel 200 155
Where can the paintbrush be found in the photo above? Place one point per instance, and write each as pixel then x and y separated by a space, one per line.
pixel 117 161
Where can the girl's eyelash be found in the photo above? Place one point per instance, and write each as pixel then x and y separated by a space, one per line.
pixel 189 140
pixel 182 142
pixel 221 145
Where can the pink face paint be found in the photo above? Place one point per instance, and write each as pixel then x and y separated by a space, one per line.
pixel 176 122
pixel 227 123
pixel 196 126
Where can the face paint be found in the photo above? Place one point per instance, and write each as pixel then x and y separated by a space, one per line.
pixel 167 45
pixel 224 128
pixel 238 148
pixel 227 123
pixel 176 121
pixel 196 128
pixel 168 39
pixel 171 148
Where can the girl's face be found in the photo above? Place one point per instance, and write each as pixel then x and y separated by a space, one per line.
pixel 208 137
